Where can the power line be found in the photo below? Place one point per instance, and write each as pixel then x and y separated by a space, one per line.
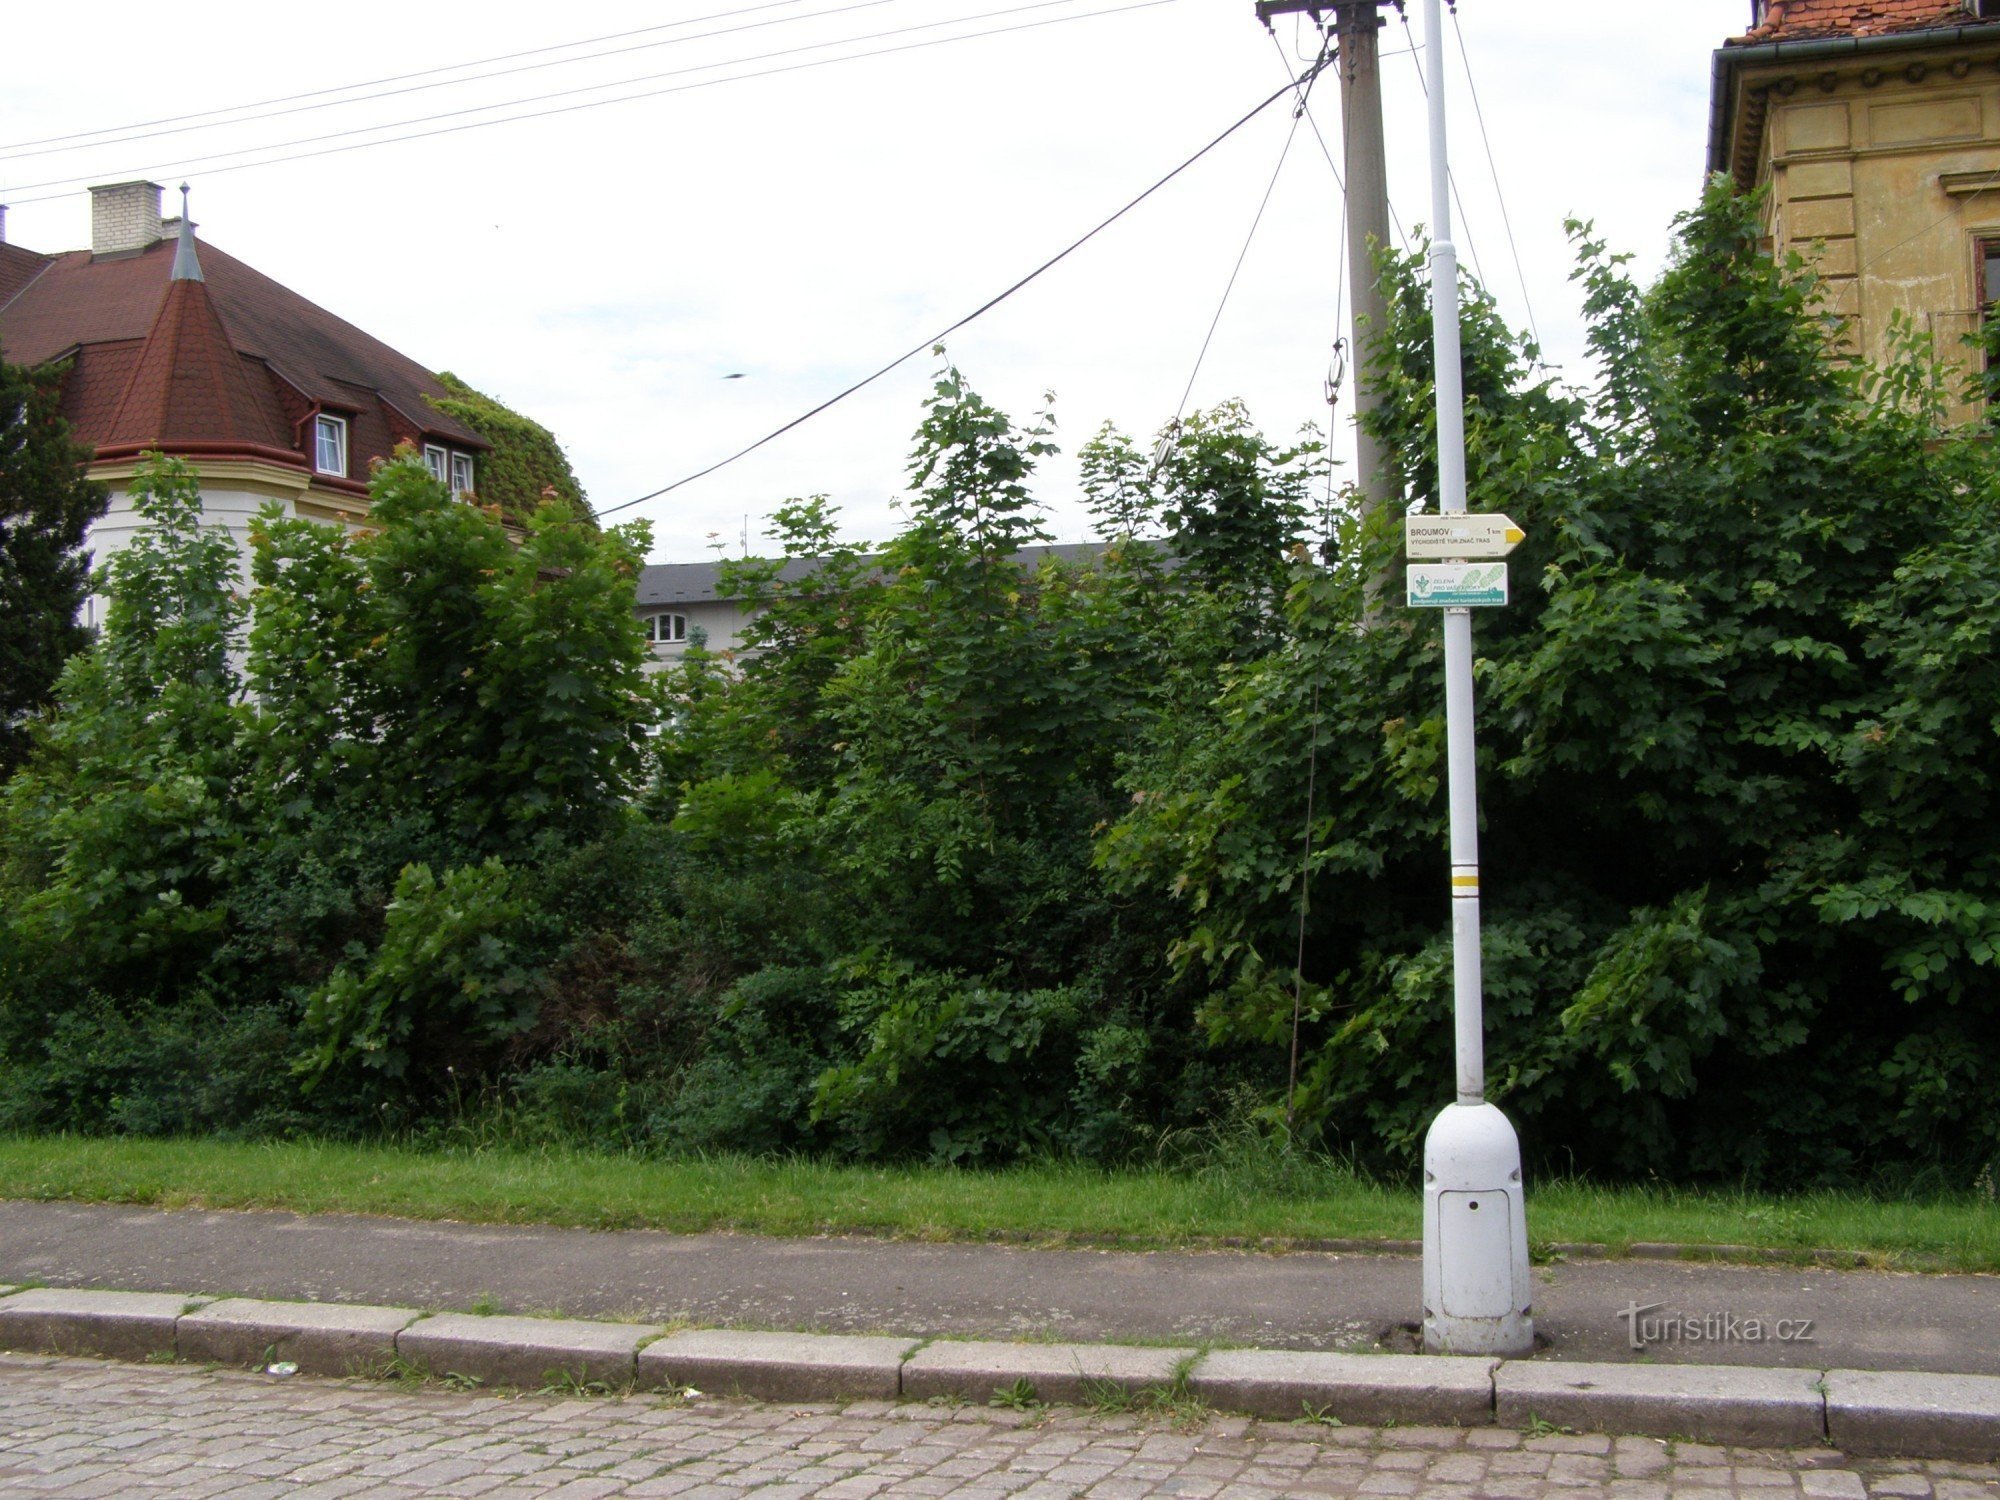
pixel 369 83
pixel 937 338
pixel 198 165
pixel 1506 218
pixel 446 83
pixel 1244 254
pixel 1336 372
pixel 1339 177
pixel 1464 218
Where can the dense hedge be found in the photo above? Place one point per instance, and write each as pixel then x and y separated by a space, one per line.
pixel 966 859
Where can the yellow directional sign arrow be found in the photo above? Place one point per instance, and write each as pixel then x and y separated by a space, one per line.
pixel 1460 537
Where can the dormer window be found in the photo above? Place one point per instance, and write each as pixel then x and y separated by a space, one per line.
pixel 330 444
pixel 461 473
pixel 438 461
pixel 1984 10
pixel 666 630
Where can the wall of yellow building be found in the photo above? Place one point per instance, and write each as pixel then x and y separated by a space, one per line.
pixel 1887 176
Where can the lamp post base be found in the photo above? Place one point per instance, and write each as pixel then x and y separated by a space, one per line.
pixel 1478 1296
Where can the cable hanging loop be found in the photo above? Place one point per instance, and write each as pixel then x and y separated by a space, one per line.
pixel 1046 266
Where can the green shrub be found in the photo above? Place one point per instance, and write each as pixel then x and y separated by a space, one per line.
pixel 451 981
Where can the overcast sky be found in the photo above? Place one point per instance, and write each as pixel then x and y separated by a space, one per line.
pixel 606 269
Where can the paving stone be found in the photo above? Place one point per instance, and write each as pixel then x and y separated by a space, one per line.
pixel 1932 1416
pixel 123 1325
pixel 778 1366
pixel 1356 1388
pixel 320 1338
pixel 1710 1403
pixel 525 1352
pixel 975 1370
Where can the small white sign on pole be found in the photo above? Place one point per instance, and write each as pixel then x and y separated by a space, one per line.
pixel 1480 585
pixel 1460 536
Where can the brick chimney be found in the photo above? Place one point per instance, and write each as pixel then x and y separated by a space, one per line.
pixel 124 216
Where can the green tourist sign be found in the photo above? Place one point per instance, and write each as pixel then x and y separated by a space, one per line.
pixel 1480 585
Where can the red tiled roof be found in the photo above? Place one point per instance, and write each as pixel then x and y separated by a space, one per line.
pixel 18 267
pixel 256 357
pixel 1790 20
pixel 189 388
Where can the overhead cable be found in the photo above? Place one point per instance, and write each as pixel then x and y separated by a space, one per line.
pixel 937 338
pixel 1493 165
pixel 446 83
pixel 199 166
pixel 342 88
pixel 1464 219
pixel 1257 220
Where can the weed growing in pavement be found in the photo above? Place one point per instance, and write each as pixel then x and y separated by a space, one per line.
pixel 410 1374
pixel 573 1383
pixel 1175 1400
pixel 1019 1396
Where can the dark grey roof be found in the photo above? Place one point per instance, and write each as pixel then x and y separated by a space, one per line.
pixel 696 582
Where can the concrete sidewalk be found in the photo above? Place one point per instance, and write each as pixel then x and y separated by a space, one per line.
pixel 1701 1313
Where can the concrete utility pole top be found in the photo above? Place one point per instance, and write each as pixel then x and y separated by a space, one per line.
pixel 1366 174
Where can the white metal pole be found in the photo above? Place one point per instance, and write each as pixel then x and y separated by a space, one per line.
pixel 1478 1294
pixel 1468 1006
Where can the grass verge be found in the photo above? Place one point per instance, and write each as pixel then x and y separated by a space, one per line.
pixel 1217 1205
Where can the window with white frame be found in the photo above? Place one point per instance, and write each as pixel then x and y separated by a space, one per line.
pixel 461 473
pixel 666 630
pixel 438 461
pixel 330 444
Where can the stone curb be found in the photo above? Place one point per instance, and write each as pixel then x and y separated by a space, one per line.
pixel 1709 1403
pixel 1863 1412
pixel 526 1352
pixel 1889 1414
pixel 1358 1389
pixel 119 1325
pixel 1066 1374
pixel 778 1366
pixel 320 1338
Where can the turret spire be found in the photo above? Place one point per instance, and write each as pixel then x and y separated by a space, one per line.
pixel 187 267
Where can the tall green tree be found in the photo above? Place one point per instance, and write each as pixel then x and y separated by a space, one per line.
pixel 1737 772
pixel 46 507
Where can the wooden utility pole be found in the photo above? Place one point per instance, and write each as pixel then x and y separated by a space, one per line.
pixel 1357 24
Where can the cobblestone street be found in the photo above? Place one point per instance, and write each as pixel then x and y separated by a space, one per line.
pixel 83 1428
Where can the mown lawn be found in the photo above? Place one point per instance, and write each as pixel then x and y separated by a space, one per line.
pixel 1214 1206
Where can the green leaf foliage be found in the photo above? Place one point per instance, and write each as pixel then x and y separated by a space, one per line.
pixel 233 802
pixel 525 467
pixel 1737 747
pixel 46 508
pixel 972 853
